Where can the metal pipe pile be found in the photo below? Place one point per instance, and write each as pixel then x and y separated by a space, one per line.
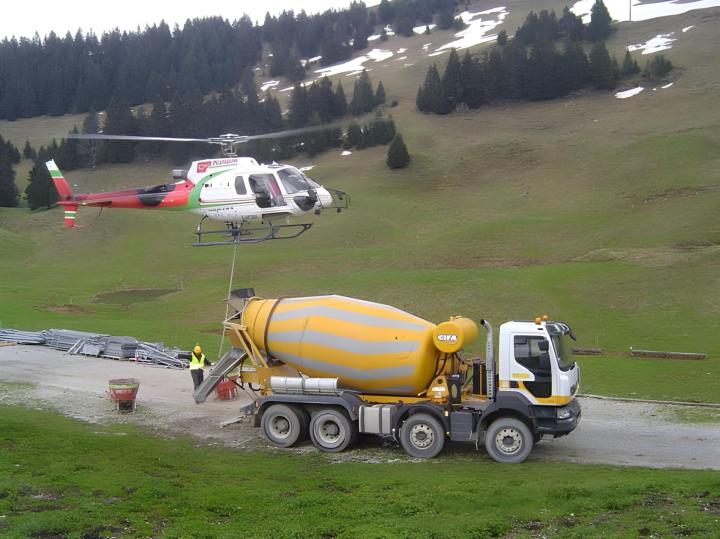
pixel 22 337
pixel 65 339
pixel 98 345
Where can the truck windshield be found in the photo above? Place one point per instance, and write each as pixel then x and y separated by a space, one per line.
pixel 566 360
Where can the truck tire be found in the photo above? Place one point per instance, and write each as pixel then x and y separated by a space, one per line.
pixel 422 436
pixel 508 440
pixel 331 430
pixel 304 422
pixel 281 425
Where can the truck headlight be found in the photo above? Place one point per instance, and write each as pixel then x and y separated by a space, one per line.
pixel 564 414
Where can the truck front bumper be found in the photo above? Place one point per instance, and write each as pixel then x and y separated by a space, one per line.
pixel 557 421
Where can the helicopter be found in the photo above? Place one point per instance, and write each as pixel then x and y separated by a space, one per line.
pixel 256 202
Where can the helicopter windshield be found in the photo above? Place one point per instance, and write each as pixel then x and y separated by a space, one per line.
pixel 294 181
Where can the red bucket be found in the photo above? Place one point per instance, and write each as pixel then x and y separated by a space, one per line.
pixel 226 390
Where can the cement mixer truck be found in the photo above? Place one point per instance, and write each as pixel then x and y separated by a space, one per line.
pixel 333 367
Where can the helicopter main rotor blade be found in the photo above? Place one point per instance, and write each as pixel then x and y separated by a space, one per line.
pixel 88 136
pixel 287 133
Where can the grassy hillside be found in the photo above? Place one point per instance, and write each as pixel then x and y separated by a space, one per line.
pixel 598 211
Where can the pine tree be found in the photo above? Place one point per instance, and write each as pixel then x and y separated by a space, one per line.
pixel 629 66
pixel 8 189
pixel 600 22
pixel 157 124
pixel 363 99
pixel 299 112
pixel 340 106
pixel 70 151
pixel 602 74
pixel 40 191
pixel 430 94
pixel 380 94
pixel 658 67
pixel 472 82
pixel 502 38
pixel 354 135
pixel 397 155
pixel 28 151
pixel 451 88
pixel 390 130
pixel 571 25
pixel 120 121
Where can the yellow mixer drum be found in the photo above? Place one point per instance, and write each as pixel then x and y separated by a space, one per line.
pixel 372 348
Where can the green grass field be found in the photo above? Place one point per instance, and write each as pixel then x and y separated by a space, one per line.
pixel 59 477
pixel 597 211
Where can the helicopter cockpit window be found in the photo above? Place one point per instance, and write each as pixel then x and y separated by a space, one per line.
pixel 240 188
pixel 266 189
pixel 294 181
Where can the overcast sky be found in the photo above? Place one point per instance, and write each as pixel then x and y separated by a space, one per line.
pixel 42 16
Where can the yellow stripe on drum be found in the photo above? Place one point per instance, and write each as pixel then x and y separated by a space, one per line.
pixel 333 304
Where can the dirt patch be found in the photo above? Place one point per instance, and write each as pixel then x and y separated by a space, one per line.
pixel 68 308
pixel 680 192
pixel 651 257
pixel 129 296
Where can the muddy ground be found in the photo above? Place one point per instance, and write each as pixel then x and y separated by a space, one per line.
pixel 621 433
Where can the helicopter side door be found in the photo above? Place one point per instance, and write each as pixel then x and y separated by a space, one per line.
pixel 228 198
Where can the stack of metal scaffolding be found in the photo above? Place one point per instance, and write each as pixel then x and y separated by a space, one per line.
pixel 22 337
pixel 98 345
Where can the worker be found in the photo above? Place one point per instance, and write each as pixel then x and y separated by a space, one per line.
pixel 197 362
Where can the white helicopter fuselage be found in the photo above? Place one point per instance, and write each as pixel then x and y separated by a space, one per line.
pixel 239 190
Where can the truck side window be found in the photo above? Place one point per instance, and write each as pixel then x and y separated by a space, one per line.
pixel 528 354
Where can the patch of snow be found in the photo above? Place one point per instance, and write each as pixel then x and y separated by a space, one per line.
pixel 621 10
pixel 629 93
pixel 426 46
pixel 477 29
pixel 400 51
pixel 269 84
pixel 408 65
pixel 388 31
pixel 305 169
pixel 402 58
pixel 667 85
pixel 306 61
pixel 438 53
pixel 346 152
pixel 658 43
pixel 421 29
pixel 688 28
pixel 355 65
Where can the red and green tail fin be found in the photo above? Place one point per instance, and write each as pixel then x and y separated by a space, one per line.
pixel 65 193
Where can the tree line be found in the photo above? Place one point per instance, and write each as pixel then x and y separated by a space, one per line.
pixel 531 66
pixel 9 156
pixel 83 72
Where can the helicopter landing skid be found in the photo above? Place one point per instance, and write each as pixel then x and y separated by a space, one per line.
pixel 236 235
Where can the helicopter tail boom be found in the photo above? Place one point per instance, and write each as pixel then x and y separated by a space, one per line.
pixel 65 193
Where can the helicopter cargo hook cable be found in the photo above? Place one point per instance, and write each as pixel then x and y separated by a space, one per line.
pixel 227 298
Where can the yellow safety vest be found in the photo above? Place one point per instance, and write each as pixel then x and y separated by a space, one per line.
pixel 195 362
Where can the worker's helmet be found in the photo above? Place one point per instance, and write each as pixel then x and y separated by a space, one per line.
pixel 197 349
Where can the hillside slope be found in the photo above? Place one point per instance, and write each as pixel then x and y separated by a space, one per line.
pixel 595 210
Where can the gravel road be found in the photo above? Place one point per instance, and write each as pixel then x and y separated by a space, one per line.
pixel 620 433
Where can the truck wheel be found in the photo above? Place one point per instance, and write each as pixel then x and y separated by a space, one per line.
pixel 332 430
pixel 304 422
pixel 281 425
pixel 422 436
pixel 508 440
